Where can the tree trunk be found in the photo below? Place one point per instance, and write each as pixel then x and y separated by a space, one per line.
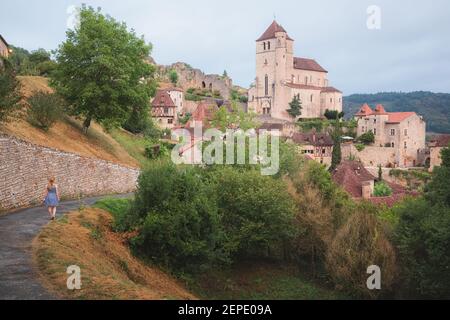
pixel 86 124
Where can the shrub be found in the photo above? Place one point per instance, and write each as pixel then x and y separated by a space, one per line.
pixel 360 147
pixel 358 244
pixel 257 212
pixel 44 110
pixel 155 151
pixel 422 236
pixel 367 138
pixel 381 189
pixel 178 219
pixel 9 91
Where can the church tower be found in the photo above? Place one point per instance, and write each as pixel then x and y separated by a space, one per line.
pixel 274 57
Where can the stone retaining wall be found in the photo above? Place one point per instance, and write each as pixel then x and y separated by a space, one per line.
pixel 26 167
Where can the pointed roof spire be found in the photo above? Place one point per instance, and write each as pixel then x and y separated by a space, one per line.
pixel 271 30
pixel 380 109
pixel 364 110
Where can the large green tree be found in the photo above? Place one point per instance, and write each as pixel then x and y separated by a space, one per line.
pixel 101 70
pixel 10 95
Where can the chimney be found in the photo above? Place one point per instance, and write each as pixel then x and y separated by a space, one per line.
pixel 367 189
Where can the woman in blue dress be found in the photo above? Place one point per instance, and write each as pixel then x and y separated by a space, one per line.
pixel 51 199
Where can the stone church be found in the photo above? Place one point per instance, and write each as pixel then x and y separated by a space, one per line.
pixel 280 76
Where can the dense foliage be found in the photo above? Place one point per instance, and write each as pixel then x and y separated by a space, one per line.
pixel 381 189
pixel 366 138
pixel 100 71
pixel 44 109
pixel 10 94
pixel 295 107
pixel 35 63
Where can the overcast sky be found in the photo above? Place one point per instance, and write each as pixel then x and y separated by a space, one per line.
pixel 410 52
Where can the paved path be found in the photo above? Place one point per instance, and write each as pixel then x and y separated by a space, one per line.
pixel 18 279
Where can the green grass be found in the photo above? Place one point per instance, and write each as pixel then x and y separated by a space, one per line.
pixel 261 281
pixel 133 144
pixel 117 207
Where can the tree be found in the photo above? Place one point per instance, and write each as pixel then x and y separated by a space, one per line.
pixel 10 95
pixel 336 155
pixel 100 71
pixel 367 138
pixel 173 76
pixel 295 107
pixel 333 114
pixel 225 74
pixel 45 109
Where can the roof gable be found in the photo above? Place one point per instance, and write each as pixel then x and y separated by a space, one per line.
pixel 271 31
pixel 163 99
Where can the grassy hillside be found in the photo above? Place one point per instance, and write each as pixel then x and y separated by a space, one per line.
pixel 66 135
pixel 434 107
pixel 109 270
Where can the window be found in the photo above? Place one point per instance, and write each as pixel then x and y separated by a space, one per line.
pixel 406 132
pixel 374 120
pixel 266 85
pixel 311 98
pixel 392 144
pixel 264 45
pixel 268 45
pixel 265 62
pixel 170 121
pixel 405 145
pixel 331 100
pixel 362 129
pixel 166 110
pixel 306 80
pixel 374 131
pixel 392 132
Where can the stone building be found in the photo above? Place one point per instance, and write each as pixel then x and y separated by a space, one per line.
pixel 4 47
pixel 165 107
pixel 402 134
pixel 435 145
pixel 280 76
pixel 316 146
pixel 355 179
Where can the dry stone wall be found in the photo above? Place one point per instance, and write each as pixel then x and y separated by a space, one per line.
pixel 26 167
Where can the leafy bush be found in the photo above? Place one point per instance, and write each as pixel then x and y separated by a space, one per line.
pixel 381 189
pixel 44 110
pixel 367 138
pixel 423 241
pixel 155 151
pixel 360 147
pixel 358 244
pixel 9 91
pixel 177 214
pixel 256 211
pixel 118 208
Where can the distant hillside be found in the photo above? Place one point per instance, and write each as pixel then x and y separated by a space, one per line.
pixel 434 107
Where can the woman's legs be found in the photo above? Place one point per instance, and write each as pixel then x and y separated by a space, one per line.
pixel 50 211
pixel 54 212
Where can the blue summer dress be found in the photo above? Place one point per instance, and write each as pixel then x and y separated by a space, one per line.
pixel 51 200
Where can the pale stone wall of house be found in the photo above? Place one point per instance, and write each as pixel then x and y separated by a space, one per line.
pixel 435 157
pixel 25 169
pixel 371 155
pixel 4 51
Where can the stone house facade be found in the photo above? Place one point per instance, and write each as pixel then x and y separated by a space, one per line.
pixel 280 77
pixel 166 106
pixel 4 47
pixel 435 145
pixel 402 132
pixel 315 146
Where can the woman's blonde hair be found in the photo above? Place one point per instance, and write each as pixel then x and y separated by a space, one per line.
pixel 51 182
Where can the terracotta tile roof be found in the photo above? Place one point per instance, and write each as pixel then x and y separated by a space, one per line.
pixel 162 99
pixel 308 64
pixel 330 89
pixel 204 113
pixel 396 117
pixel 364 110
pixel 379 109
pixel 441 140
pixel 271 30
pixel 174 89
pixel 351 175
pixel 313 138
pixel 4 41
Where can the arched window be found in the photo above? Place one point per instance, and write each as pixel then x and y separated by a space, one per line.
pixel 265 62
pixel 203 84
pixel 392 144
